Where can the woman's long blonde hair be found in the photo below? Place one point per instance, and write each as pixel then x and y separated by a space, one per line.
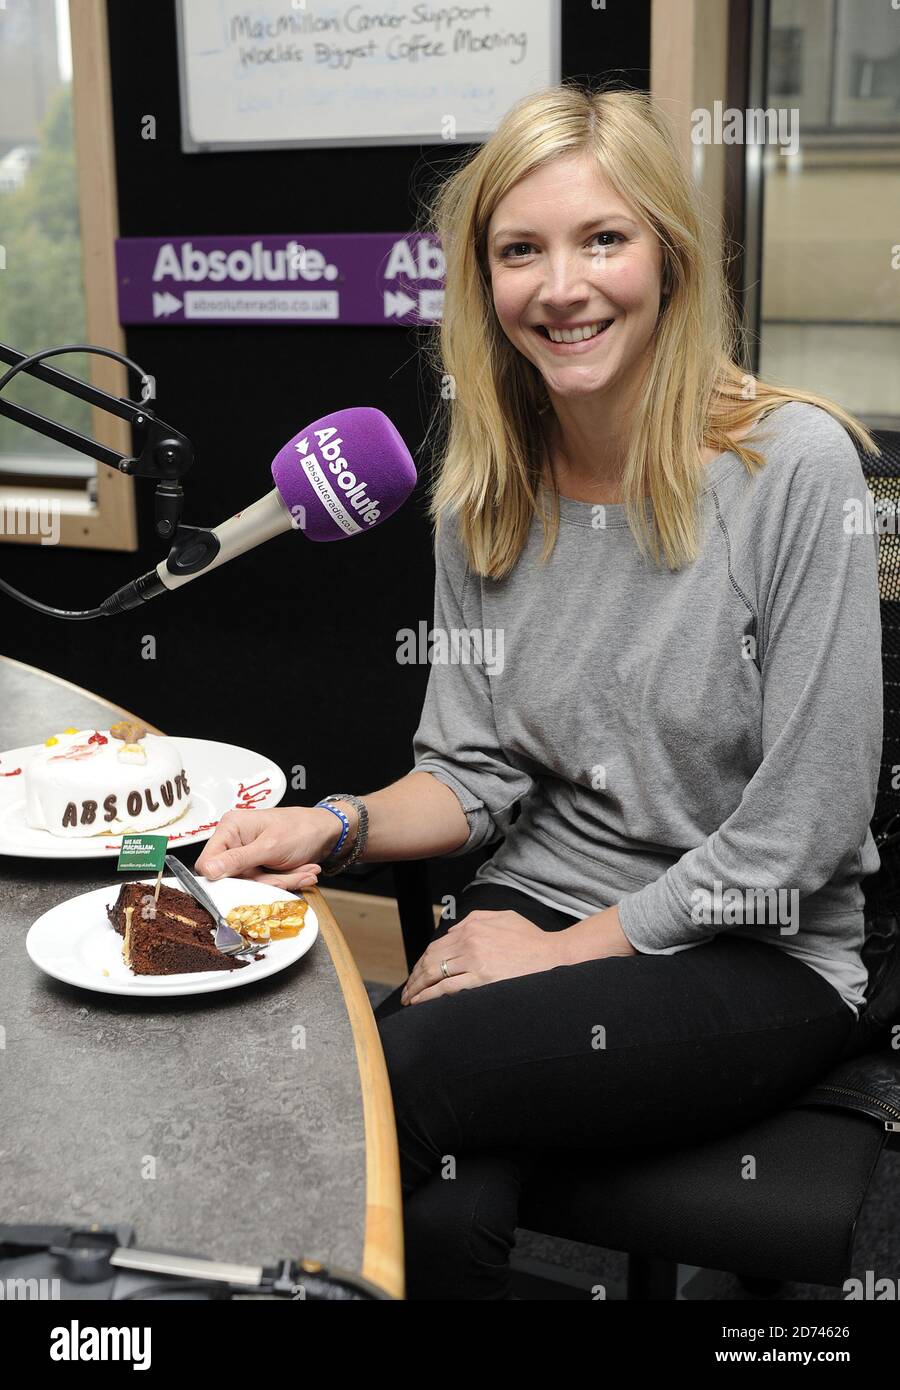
pixel 493 399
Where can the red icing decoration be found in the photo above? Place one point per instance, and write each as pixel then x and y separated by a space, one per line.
pixel 15 773
pixel 97 738
pixel 195 830
pixel 248 798
pixel 76 753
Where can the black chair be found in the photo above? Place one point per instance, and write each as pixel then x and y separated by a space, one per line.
pixel 814 1160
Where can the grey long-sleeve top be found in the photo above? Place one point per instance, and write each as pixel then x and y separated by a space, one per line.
pixel 701 747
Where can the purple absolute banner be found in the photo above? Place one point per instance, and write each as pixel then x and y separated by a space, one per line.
pixel 353 277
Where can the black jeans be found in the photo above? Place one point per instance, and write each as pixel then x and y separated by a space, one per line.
pixel 617 1053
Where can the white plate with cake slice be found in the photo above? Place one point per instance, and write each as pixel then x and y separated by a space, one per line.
pixel 76 942
pixel 93 786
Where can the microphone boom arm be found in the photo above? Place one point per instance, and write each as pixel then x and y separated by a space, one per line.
pixel 164 453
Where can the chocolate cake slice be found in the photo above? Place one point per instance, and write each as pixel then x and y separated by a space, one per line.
pixel 173 936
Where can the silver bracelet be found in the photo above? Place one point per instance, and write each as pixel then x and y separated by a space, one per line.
pixel 332 866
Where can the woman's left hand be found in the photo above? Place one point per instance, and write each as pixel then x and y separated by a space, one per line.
pixel 483 947
pixel 487 946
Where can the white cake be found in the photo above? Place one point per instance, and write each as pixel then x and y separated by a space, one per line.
pixel 105 782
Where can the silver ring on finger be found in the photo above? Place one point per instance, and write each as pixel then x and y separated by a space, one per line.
pixel 444 971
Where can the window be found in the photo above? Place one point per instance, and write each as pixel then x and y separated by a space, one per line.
pixel 830 274
pixel 57 214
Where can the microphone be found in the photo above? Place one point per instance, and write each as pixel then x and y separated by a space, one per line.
pixel 341 476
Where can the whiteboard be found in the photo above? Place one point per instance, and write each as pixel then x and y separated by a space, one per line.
pixel 388 72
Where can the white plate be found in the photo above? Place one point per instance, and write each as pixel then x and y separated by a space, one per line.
pixel 76 942
pixel 221 777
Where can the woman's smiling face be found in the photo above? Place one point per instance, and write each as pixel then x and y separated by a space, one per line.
pixel 565 251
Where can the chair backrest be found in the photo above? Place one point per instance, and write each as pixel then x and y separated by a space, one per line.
pixel 881 948
pixel 883 477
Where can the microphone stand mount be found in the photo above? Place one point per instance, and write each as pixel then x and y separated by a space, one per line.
pixel 163 453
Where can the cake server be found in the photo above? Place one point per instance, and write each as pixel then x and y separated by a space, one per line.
pixel 228 941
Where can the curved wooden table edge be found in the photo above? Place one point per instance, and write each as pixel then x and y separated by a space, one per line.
pixel 383 1236
pixel 383 1244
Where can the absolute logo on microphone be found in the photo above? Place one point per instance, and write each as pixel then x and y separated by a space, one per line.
pixel 354 490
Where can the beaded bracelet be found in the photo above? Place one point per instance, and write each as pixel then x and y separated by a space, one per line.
pixel 345 826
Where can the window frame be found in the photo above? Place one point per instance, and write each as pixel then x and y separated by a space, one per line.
pixel 111 522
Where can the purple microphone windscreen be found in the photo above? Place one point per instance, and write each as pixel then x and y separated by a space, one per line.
pixel 344 473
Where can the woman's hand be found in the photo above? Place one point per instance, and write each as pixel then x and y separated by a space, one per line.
pixel 483 947
pixel 290 841
pixel 487 946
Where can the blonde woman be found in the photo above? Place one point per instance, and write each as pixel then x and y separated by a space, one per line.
pixel 683 700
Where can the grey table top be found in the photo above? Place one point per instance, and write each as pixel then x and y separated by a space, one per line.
pixel 158 1113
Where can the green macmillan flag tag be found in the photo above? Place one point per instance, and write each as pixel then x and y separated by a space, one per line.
pixel 142 853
